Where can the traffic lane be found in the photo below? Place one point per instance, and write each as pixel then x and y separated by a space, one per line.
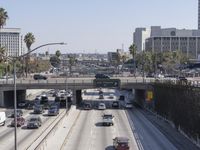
pixel 7 129
pixel 123 128
pixel 7 140
pixel 79 136
pixel 27 139
pixel 149 136
pixel 102 135
pixel 24 136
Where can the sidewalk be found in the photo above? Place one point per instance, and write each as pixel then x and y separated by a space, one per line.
pixel 60 132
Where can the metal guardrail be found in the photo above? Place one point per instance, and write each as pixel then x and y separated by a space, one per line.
pixel 195 83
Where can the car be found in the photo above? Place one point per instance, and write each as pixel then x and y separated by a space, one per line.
pixel 61 100
pixel 101 106
pixel 38 109
pixel 111 96
pixel 87 106
pixel 107 119
pixel 128 105
pixel 22 104
pixel 39 77
pixel 101 96
pixel 182 79
pixel 102 76
pixel 100 92
pixel 20 122
pixel 53 110
pixel 18 111
pixel 44 101
pixel 121 143
pixel 34 122
pixel 115 104
pixel 30 106
pixel 2 118
pixel 121 97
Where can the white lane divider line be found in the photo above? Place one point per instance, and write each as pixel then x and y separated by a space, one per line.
pixel 137 139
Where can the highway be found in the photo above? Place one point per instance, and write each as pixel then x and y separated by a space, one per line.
pixel 89 134
pixel 83 130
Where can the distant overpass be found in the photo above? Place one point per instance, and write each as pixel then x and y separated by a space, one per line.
pixel 141 85
pixel 70 83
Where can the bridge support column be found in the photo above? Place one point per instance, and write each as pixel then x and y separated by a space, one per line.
pixel 140 97
pixel 77 97
pixel 2 98
pixel 74 97
pixel 8 97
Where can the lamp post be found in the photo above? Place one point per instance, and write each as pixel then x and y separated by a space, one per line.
pixel 14 59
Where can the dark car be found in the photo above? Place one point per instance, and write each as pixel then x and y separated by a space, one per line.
pixel 115 104
pixel 38 109
pixel 18 111
pixel 121 143
pixel 22 104
pixel 182 79
pixel 44 101
pixel 30 105
pixel 39 77
pixel 53 110
pixel 121 97
pixel 34 122
pixel 87 106
pixel 20 122
pixel 102 76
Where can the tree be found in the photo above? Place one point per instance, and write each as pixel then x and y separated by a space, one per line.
pixel 29 39
pixel 58 53
pixel 72 61
pixel 3 17
pixel 132 50
pixel 46 53
pixel 55 61
pixel 2 52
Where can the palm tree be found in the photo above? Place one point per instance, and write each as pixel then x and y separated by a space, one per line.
pixel 29 39
pixel 2 52
pixel 132 50
pixel 72 61
pixel 58 53
pixel 3 60
pixel 3 17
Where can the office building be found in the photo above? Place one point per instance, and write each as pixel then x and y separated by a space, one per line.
pixel 172 39
pixel 10 39
pixel 139 37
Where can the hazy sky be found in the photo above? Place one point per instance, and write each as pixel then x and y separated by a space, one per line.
pixel 95 25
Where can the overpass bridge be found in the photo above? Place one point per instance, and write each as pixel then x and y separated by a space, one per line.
pixel 141 85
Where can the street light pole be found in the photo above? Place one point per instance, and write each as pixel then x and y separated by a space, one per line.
pixel 15 103
pixel 14 59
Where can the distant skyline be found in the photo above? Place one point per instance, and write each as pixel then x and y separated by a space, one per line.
pixel 96 25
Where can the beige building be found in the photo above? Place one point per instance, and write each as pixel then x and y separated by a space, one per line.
pixel 10 39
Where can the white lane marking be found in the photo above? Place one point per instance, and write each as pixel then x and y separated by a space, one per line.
pixel 137 139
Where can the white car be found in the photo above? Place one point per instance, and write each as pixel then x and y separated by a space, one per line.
pixel 128 105
pixel 102 106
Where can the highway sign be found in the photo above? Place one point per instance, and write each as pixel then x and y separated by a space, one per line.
pixel 106 83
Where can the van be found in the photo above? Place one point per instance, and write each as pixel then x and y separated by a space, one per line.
pixel 2 118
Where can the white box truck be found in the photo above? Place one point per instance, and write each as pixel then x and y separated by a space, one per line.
pixel 2 118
